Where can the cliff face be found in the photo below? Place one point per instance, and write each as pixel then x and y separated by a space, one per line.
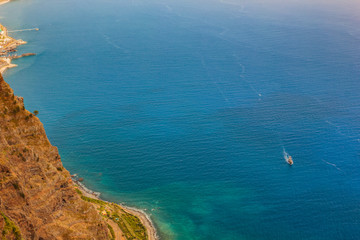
pixel 37 198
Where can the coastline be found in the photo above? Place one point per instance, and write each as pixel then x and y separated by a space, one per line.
pixel 8 45
pixel 7 65
pixel 4 1
pixel 144 218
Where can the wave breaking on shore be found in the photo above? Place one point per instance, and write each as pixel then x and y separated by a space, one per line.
pixel 141 214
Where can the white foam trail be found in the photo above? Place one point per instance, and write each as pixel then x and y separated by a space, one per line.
pixel 350 133
pixel 169 8
pixel 243 69
pixel 110 42
pixel 286 155
pixel 225 30
pixel 332 164
pixel 340 129
pixel 215 83
pixel 241 5
pixel 335 126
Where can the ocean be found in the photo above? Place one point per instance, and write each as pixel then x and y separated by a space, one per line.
pixel 185 109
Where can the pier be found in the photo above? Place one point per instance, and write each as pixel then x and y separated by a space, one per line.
pixel 23 30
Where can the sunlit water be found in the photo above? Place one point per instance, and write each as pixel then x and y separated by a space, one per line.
pixel 183 108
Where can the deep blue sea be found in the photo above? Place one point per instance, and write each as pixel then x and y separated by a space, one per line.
pixel 184 108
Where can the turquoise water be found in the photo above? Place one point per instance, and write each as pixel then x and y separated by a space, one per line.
pixel 184 108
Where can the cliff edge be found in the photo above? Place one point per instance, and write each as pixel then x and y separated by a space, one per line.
pixel 37 197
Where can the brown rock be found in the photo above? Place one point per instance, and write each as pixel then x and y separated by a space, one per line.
pixel 35 192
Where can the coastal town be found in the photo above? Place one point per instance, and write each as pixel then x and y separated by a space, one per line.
pixel 8 49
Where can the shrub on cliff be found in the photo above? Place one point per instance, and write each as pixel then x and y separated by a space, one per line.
pixel 9 228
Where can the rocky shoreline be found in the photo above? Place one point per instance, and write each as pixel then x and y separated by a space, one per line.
pixel 21 115
pixel 8 46
pixel 144 218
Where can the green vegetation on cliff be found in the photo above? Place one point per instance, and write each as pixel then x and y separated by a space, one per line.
pixel 9 229
pixel 38 200
pixel 37 196
pixel 130 225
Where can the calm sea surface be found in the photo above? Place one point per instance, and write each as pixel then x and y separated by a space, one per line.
pixel 184 108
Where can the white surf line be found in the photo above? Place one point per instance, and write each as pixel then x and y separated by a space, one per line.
pixel 214 82
pixel 332 164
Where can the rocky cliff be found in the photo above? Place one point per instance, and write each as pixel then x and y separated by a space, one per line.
pixel 37 198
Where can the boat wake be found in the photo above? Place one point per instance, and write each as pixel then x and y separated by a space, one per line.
pixel 332 164
pixel 111 43
pixel 287 157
